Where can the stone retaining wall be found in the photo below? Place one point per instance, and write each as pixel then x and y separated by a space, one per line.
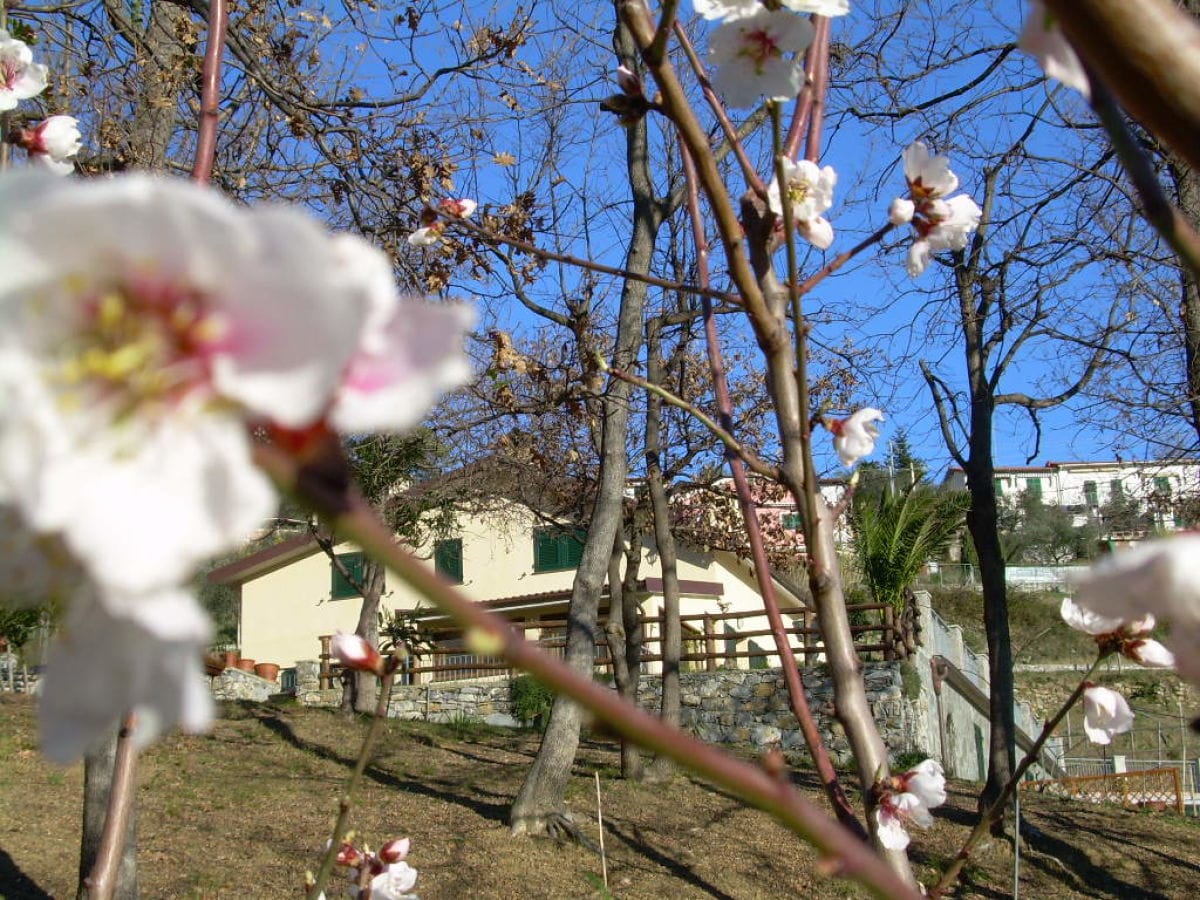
pixel 727 706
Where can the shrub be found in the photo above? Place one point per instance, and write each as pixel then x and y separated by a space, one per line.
pixel 530 700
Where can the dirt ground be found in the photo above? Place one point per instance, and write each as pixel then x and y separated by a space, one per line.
pixel 242 812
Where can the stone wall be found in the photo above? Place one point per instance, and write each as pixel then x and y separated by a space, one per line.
pixel 726 706
pixel 234 684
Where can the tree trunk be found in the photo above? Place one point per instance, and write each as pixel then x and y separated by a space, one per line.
pixel 539 803
pixel 97 778
pixel 1187 193
pixel 366 684
pixel 985 535
pixel 671 636
pixel 623 647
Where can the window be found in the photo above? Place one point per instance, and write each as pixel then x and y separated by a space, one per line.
pixel 447 559
pixel 557 548
pixel 1091 494
pixel 998 484
pixel 340 587
pixel 792 521
pixel 1116 488
pixel 1034 487
pixel 1162 485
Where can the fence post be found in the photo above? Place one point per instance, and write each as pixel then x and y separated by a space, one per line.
pixel 889 633
pixel 325 676
pixel 710 644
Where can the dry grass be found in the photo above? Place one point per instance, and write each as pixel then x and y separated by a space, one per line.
pixel 243 811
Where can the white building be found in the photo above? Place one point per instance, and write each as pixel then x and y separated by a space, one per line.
pixel 1085 487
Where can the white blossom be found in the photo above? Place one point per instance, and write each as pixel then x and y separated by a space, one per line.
pixel 854 437
pixel 941 222
pixel 810 190
pixel 54 143
pixel 1128 637
pixel 727 9
pixel 113 654
pixel 906 800
pixel 1105 713
pixel 1043 39
pixel 1160 578
pixel 754 56
pixel 146 324
pixel 394 882
pixel 409 352
pixel 901 211
pixel 355 652
pixel 433 223
pixel 20 77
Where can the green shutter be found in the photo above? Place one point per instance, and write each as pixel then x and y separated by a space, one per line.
pixel 447 559
pixel 340 588
pixel 792 521
pixel 1091 496
pixel 1162 485
pixel 555 549
pixel 1034 487
pixel 998 485
pixel 1116 488
pixel 572 547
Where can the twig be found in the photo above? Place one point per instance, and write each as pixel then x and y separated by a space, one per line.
pixel 996 810
pixel 489 633
pixel 731 443
pixel 762 569
pixel 489 236
pixel 206 139
pixel 1163 216
pixel 346 803
pixel 600 825
pixel 102 880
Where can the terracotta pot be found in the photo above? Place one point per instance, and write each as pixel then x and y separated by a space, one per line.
pixel 246 665
pixel 231 658
pixel 269 671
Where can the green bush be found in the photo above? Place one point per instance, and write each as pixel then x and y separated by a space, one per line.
pixel 530 700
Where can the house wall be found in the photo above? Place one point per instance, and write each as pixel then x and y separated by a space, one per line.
pixel 283 611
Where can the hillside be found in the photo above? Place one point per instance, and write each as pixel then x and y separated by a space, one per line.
pixel 242 813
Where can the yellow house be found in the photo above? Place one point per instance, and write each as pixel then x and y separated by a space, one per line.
pixel 511 560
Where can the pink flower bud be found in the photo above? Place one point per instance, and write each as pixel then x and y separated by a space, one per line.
pixel 394 850
pixel 354 652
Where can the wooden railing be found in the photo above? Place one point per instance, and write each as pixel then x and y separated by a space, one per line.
pixel 708 643
pixel 1154 789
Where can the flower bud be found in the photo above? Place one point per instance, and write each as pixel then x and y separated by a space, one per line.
pixel 901 211
pixel 355 652
pixel 394 850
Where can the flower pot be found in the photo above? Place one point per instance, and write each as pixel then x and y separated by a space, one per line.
pixel 269 671
pixel 231 658
pixel 246 665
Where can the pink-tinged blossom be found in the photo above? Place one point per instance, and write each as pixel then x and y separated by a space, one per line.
pixel 1105 713
pixel 905 800
pixel 854 437
pixel 1042 39
pixel 1129 638
pixel 145 325
pixel 629 82
pixel 941 222
pixel 730 9
pixel 409 353
pixel 810 190
pixel 54 143
pixel 355 652
pixel 1160 578
pixel 755 56
pixel 20 77
pixel 393 883
pixel 112 654
pixel 394 850
pixel 433 221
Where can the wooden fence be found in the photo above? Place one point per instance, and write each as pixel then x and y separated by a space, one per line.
pixel 709 642
pixel 1155 789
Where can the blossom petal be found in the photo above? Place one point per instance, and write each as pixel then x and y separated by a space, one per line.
pixel 1105 713
pixel 100 666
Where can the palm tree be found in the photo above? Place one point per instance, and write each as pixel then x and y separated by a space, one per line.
pixel 896 533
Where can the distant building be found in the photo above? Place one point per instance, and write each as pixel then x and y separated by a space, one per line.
pixel 1126 499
